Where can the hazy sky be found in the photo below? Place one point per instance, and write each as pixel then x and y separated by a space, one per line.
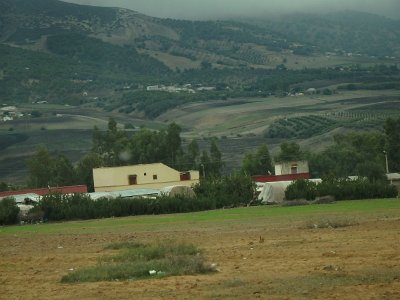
pixel 211 9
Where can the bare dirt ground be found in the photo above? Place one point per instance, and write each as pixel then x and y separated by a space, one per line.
pixel 288 262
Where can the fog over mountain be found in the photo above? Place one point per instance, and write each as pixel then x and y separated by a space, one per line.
pixel 212 9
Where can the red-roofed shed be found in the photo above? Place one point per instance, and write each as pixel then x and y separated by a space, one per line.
pixel 45 191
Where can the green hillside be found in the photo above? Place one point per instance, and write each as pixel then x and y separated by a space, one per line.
pixel 61 50
pixel 69 67
pixel 345 32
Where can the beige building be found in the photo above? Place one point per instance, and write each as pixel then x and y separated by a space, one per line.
pixel 151 176
pixel 292 167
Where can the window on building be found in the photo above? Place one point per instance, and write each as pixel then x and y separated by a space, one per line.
pixel 132 179
pixel 154 177
pixel 293 169
pixel 185 176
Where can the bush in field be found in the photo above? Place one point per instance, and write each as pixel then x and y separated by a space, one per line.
pixel 301 189
pixel 341 189
pixel 179 204
pixel 57 207
pixel 228 191
pixel 8 211
pixel 34 215
pixel 362 188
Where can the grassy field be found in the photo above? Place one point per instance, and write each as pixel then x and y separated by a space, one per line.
pixel 337 251
pixel 256 214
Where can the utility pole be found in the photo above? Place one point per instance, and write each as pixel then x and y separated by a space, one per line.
pixel 387 163
pixel 204 171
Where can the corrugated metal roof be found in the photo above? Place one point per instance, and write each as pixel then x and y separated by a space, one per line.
pixel 124 194
pixel 21 198
pixel 136 193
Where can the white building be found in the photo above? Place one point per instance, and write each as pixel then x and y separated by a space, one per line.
pixel 152 88
pixel 292 167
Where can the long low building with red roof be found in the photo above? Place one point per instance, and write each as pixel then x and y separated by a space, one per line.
pixel 49 190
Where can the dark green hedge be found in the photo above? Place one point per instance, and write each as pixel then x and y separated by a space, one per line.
pixel 57 207
pixel 229 191
pixel 8 211
pixel 341 189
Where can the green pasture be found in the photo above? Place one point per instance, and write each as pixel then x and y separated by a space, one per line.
pixel 259 215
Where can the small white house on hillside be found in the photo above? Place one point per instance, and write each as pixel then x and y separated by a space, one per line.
pixel 291 167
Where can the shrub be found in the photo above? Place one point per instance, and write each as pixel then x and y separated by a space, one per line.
pixel 301 189
pixel 57 207
pixel 8 211
pixel 34 215
pixel 229 191
pixel 341 189
pixel 361 188
pixel 3 187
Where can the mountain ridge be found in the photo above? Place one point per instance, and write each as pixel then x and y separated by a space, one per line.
pixel 104 50
pixel 24 20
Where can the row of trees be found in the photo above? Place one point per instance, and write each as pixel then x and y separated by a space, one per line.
pixel 352 154
pixel 115 147
pixel 360 154
pixel 340 189
pixel 232 190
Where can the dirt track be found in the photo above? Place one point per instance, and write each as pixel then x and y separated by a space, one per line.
pixel 357 262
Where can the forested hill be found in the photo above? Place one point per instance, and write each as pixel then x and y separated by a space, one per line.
pixel 347 31
pixel 56 51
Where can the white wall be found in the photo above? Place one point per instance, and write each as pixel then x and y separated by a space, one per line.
pixel 286 167
pixel 114 179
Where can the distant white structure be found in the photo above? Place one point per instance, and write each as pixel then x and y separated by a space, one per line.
pixel 311 91
pixel 152 88
pixel 206 88
pixel 8 108
pixel 7 118
pixel 274 192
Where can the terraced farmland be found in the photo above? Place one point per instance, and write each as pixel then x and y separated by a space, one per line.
pixel 301 127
